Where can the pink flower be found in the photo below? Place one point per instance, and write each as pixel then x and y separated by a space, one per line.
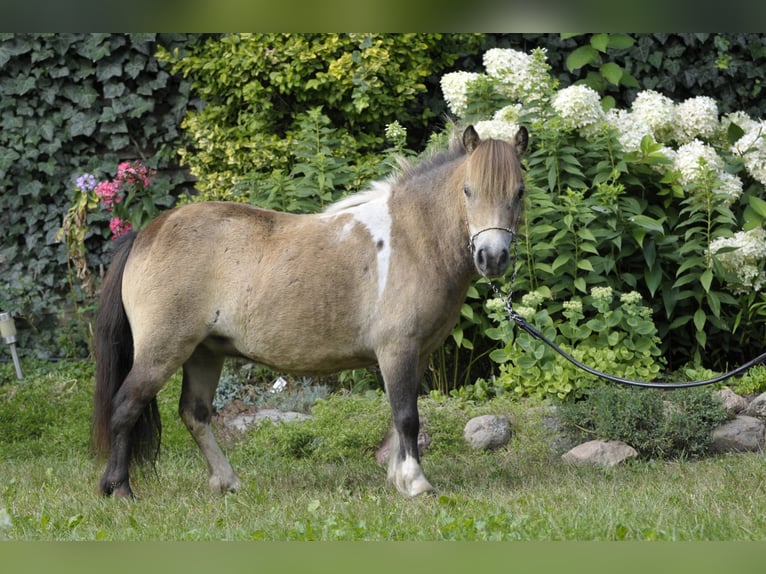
pixel 109 193
pixel 133 172
pixel 119 227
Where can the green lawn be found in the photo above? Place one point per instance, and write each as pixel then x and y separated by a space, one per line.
pixel 338 492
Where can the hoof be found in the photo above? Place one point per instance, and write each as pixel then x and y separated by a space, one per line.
pixel 419 487
pixel 221 485
pixel 118 489
pixel 408 478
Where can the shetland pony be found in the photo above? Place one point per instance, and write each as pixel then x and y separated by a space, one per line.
pixel 378 277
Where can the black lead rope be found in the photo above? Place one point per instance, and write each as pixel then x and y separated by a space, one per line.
pixel 523 324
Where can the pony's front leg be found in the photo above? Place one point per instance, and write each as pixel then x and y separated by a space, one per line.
pixel 400 374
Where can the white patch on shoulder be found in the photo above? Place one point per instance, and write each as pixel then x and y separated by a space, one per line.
pixel 370 208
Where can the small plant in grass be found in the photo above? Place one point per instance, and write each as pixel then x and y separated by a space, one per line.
pixel 342 426
pixel 753 383
pixel 658 424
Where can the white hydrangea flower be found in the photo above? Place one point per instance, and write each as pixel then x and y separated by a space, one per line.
pixel 741 119
pixel 509 113
pixel 691 157
pixel 455 87
pixel 752 148
pixel 696 118
pixel 579 106
pixel 631 128
pixel 520 76
pixel 729 186
pixel 745 261
pixel 497 129
pixel 656 111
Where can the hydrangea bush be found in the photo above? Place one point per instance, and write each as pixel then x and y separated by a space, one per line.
pixel 662 198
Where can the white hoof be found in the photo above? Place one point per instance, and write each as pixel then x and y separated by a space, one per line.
pixel 408 477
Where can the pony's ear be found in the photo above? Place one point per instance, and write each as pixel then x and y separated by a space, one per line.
pixel 521 140
pixel 471 138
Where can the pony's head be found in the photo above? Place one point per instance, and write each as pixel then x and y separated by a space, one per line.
pixel 494 191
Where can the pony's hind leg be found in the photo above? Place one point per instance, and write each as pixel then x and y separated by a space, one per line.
pixel 135 429
pixel 400 376
pixel 200 379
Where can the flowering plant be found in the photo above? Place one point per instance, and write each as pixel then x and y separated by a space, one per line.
pixel 126 199
pixel 661 196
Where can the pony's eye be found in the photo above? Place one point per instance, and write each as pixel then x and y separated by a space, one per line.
pixel 522 190
pixel 466 189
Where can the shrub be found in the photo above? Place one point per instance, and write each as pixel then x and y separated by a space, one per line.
pixel 616 337
pixel 658 424
pixel 257 89
pixel 632 198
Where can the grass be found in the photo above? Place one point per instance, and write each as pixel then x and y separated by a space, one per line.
pixel 338 492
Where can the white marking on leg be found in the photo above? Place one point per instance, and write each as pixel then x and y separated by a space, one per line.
pixel 408 477
pixel 370 208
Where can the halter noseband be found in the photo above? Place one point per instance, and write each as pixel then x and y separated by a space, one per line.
pixel 472 239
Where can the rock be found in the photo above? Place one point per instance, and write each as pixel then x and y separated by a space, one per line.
pixel 741 434
pixel 245 421
pixel 384 450
pixel 732 402
pixel 600 453
pixel 487 432
pixel 757 407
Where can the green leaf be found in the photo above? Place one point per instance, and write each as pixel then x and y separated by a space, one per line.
pixel 653 278
pixel 620 41
pixel 585 265
pixel 600 42
pixel 734 133
pixel 699 319
pixel 580 57
pixel 647 223
pixel 706 279
pixel 612 72
pixel 758 205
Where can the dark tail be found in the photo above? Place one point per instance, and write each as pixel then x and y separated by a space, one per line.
pixel 113 347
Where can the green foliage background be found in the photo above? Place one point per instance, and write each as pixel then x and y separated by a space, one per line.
pixel 285 121
pixel 69 104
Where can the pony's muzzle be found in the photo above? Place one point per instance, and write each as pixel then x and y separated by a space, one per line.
pixel 491 251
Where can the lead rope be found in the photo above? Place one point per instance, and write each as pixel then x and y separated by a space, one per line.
pixel 525 326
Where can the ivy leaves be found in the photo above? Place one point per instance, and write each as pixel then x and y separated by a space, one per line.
pixel 71 103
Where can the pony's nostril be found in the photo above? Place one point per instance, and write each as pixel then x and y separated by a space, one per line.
pixel 481 260
pixel 503 261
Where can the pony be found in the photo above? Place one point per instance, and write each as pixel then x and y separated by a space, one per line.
pixel 376 278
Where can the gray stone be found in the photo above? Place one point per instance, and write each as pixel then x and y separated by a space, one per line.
pixel 741 434
pixel 732 402
pixel 600 453
pixel 757 407
pixel 244 422
pixel 487 432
